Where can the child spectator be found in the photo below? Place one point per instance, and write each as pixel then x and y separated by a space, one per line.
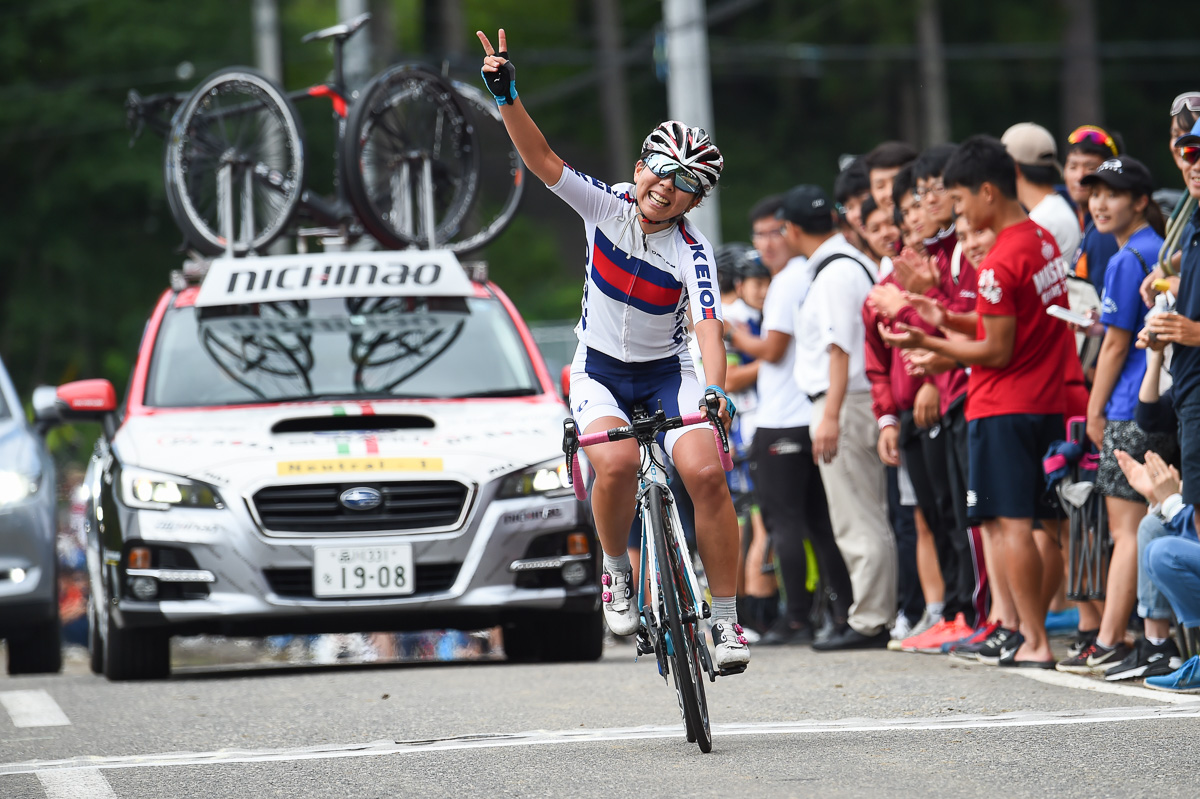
pixel 1120 205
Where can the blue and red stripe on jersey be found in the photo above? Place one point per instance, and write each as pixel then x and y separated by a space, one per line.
pixel 633 281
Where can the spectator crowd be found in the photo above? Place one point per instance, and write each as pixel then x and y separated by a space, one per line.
pixel 942 362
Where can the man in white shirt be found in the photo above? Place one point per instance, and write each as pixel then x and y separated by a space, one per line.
pixel 830 369
pixel 1038 170
pixel 787 484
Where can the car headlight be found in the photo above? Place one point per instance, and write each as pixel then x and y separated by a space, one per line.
pixel 15 486
pixel 158 491
pixel 549 478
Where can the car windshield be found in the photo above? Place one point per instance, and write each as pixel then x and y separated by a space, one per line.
pixel 335 349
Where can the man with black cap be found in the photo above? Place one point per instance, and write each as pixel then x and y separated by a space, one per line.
pixel 786 482
pixel 831 370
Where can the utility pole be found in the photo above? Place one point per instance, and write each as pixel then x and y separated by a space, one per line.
pixel 932 58
pixel 267 51
pixel 1081 99
pixel 614 94
pixel 357 53
pixel 689 89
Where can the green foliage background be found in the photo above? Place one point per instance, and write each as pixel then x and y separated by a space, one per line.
pixel 86 240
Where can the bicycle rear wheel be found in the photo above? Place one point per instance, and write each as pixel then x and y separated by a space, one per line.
pixel 408 130
pixel 685 662
pixel 238 122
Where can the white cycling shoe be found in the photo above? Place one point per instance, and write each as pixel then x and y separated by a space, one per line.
pixel 617 595
pixel 731 653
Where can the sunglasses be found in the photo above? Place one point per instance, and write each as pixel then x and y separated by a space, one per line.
pixel 1093 134
pixel 1190 154
pixel 684 178
pixel 1188 100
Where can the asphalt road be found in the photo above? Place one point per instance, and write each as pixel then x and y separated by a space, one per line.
pixel 798 723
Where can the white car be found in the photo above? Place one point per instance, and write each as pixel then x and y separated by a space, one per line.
pixel 332 443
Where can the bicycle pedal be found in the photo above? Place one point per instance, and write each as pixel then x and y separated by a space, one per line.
pixel 644 647
pixel 729 671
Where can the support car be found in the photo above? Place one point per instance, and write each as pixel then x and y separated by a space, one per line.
pixel 332 442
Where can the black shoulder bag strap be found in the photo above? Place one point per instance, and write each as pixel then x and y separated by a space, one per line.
pixel 1142 261
pixel 831 258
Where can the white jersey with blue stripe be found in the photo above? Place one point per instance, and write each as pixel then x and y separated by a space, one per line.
pixel 638 287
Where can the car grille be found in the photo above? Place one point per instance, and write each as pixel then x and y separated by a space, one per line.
pixel 409 505
pixel 432 578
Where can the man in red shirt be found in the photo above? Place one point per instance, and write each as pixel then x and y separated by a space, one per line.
pixel 1016 392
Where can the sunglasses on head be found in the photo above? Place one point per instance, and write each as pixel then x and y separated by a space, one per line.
pixel 1190 154
pixel 1188 100
pixel 663 166
pixel 1093 134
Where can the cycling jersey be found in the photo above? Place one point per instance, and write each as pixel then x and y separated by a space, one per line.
pixel 639 286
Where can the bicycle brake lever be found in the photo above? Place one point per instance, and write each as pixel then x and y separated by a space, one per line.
pixel 135 119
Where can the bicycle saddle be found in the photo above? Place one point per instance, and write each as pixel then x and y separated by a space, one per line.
pixel 341 32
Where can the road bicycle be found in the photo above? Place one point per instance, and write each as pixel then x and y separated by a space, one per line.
pixel 407 166
pixel 671 606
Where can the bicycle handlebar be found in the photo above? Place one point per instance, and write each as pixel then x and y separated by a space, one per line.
pixel 640 429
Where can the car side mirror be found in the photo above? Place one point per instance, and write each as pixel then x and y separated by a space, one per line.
pixel 90 400
pixel 565 383
pixel 45 408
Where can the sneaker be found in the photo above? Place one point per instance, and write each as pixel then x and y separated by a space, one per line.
pixel 901 628
pixel 943 632
pixel 1146 660
pixel 1101 659
pixel 1083 639
pixel 1062 621
pixel 1077 663
pixel 1002 639
pixel 968 648
pixel 924 624
pixel 782 633
pixel 730 648
pixel 1184 680
pixel 619 612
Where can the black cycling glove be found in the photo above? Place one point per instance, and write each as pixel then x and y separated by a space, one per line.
pixel 503 82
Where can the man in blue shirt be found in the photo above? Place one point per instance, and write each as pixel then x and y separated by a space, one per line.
pixel 1182 329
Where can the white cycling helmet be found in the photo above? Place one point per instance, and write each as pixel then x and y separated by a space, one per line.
pixel 690 146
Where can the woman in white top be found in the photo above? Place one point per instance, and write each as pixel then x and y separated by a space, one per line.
pixel 648 270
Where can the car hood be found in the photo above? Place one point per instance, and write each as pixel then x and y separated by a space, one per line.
pixel 476 439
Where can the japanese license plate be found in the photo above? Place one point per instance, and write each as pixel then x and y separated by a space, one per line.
pixel 363 571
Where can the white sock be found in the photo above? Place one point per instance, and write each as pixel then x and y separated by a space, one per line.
pixel 935 609
pixel 725 607
pixel 617 565
pixel 1156 641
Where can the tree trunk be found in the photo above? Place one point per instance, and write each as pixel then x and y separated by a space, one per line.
pixel 614 94
pixel 932 70
pixel 1081 100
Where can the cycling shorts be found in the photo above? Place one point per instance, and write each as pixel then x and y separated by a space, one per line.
pixel 604 386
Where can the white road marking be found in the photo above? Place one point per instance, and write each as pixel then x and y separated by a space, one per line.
pixel 1103 686
pixel 77 783
pixel 33 709
pixel 583 736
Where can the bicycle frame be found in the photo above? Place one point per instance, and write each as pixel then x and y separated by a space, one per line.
pixel 692 607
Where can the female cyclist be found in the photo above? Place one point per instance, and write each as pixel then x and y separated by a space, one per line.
pixel 647 269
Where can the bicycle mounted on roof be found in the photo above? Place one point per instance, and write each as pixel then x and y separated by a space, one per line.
pixel 407 163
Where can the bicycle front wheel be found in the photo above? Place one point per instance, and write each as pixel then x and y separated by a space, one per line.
pixel 234 164
pixel 685 660
pixel 409 159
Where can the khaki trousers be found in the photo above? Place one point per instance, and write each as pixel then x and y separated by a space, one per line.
pixel 856 488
